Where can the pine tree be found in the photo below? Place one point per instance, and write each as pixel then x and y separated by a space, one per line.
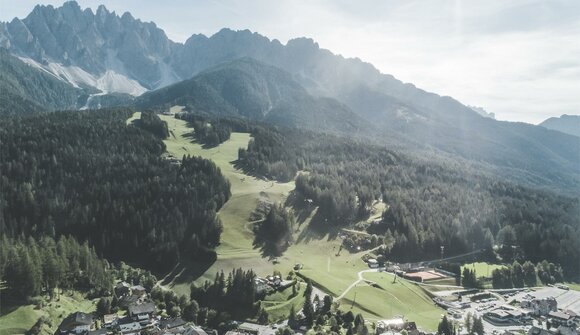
pixel 308 311
pixel 445 327
pixel 477 327
pixel 292 322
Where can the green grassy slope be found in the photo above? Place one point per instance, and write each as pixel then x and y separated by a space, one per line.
pixel 318 252
pixel 18 319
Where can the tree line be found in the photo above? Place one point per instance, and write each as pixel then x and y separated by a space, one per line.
pixel 526 274
pixel 89 175
pixel 30 266
pixel 226 298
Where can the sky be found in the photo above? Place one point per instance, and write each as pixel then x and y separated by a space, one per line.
pixel 519 59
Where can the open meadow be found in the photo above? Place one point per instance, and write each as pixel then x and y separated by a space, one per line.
pixel 19 319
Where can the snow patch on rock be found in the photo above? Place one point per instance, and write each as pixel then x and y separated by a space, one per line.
pixel 110 82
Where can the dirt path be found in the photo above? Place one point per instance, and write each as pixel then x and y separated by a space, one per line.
pixel 358 281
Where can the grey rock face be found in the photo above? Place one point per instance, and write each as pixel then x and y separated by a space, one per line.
pixel 95 42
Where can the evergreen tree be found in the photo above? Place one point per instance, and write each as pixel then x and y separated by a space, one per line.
pixel 478 326
pixel 445 327
pixel 308 311
pixel 292 322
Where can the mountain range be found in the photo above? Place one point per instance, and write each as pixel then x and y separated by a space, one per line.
pixel 569 124
pixel 107 59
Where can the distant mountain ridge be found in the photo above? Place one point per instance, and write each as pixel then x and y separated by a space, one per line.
pixel 256 91
pixel 116 54
pixel 568 124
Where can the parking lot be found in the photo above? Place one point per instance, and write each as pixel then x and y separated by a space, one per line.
pixel 567 299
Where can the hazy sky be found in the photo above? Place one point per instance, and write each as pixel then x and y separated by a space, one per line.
pixel 519 59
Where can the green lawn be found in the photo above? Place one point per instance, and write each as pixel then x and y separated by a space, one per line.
pixel 388 300
pixel 278 304
pixel 482 269
pixel 17 320
pixel 236 249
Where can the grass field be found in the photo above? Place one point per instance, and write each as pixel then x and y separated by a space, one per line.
pixel 278 304
pixel 236 249
pixel 386 299
pixel 482 269
pixel 17 320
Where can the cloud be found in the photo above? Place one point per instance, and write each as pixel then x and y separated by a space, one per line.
pixel 517 59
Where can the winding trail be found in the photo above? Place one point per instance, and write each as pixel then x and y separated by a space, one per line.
pixel 358 281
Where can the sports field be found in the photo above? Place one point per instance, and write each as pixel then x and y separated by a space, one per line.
pixel 482 269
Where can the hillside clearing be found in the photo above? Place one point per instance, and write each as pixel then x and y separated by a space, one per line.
pixel 318 252
pixel 18 320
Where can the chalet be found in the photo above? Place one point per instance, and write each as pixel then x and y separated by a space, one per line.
pixel 76 323
pixel 130 328
pixel 171 323
pixel 141 312
pixel 138 290
pixel 255 329
pixel 262 285
pixel 110 321
pixel 194 330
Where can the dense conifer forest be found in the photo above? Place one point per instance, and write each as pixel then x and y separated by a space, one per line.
pixel 29 266
pixel 89 175
pixel 430 203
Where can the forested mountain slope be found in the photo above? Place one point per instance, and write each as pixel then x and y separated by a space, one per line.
pixel 24 89
pixel 259 92
pixel 430 203
pixel 569 124
pixel 121 54
pixel 89 175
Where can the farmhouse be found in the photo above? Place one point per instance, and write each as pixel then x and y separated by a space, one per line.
pixel 76 323
pixel 138 290
pixel 141 312
pixel 171 323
